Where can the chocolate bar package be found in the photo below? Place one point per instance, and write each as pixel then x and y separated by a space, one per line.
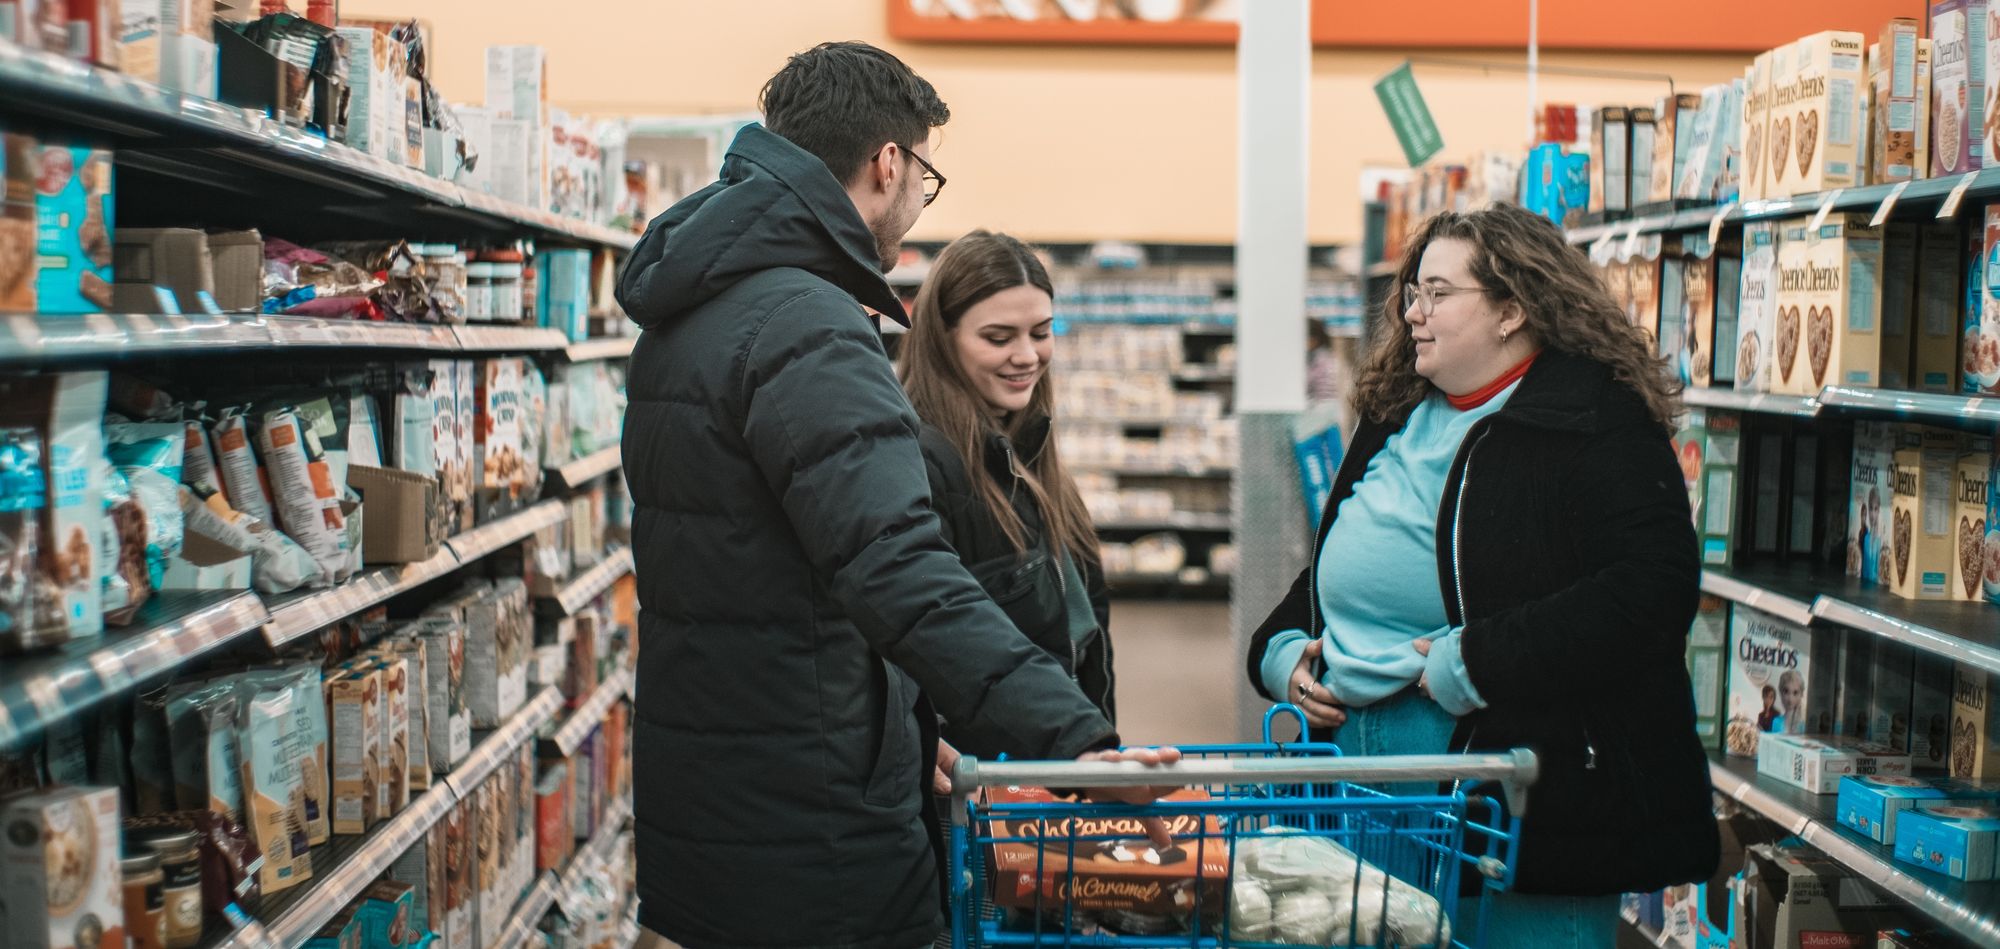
pixel 1115 866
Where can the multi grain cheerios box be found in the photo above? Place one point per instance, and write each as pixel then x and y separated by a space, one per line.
pixel 1780 677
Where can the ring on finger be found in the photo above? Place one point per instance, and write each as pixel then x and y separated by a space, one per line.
pixel 1305 690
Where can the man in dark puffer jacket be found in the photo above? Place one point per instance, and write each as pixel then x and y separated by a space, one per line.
pixel 801 616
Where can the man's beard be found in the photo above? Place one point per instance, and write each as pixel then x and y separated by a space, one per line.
pixel 889 232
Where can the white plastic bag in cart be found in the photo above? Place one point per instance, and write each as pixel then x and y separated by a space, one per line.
pixel 1301 890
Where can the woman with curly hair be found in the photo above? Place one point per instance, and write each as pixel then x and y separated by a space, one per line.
pixel 1507 560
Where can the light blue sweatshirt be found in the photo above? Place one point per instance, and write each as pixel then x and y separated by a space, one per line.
pixel 1378 575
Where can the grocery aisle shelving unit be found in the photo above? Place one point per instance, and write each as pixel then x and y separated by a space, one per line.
pixel 180 159
pixel 1966 632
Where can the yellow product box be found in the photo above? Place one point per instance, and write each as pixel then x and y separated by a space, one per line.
pixel 1829 322
pixel 353 706
pixel 1756 117
pixel 1922 544
pixel 1971 483
pixel 1975 741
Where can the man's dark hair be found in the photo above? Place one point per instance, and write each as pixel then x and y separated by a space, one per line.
pixel 843 101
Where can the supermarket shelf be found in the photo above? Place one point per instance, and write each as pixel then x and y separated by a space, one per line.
pixel 1966 632
pixel 172 628
pixel 521 926
pixel 1202 372
pixel 498 339
pixel 1926 193
pixel 1915 406
pixel 211 147
pixel 610 347
pixel 589 715
pixel 1763 402
pixel 1209 582
pixel 347 865
pixel 592 466
pixel 1788 595
pixel 1971 910
pixel 570 889
pixel 507 531
pixel 1384 269
pixel 40 338
pixel 295 614
pixel 1139 421
pixel 498 744
pixel 1178 522
pixel 580 591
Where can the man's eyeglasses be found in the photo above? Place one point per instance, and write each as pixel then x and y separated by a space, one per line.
pixel 1425 296
pixel 933 182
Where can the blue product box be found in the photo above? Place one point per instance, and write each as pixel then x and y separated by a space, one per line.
pixel 1870 804
pixel 384 916
pixel 563 294
pixel 1957 840
pixel 73 226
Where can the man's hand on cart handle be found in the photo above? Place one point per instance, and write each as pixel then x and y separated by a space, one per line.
pixel 1156 829
pixel 947 761
pixel 1311 695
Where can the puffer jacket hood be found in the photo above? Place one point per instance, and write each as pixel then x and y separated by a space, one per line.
pixel 775 201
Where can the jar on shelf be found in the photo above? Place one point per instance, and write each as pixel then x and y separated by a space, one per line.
pixel 145 899
pixel 445 265
pixel 479 292
pixel 507 286
pixel 180 867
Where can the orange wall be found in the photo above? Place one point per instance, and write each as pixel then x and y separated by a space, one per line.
pixel 1071 143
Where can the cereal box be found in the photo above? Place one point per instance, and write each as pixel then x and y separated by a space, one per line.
pixel 1755 121
pixel 1614 126
pixel 1959 840
pixel 1869 493
pixel 1922 544
pixel 1757 312
pixel 1815 127
pixel 1675 118
pixel 1899 303
pixel 1926 58
pixel 1832 297
pixel 1645 132
pixel 1941 266
pixel 1789 324
pixel 59 874
pixel 1698 298
pixel 1893 140
pixel 1931 681
pixel 499 464
pixel 1708 644
pixel 1781 674
pixel 1816 763
pixel 1870 804
pixel 375 109
pixel 1975 741
pixel 1981 346
pixel 1990 553
pixel 1720 463
pixel 1853 703
pixel 450 731
pixel 353 702
pixel 1970 481
pixel 1958 66
pixel 73 222
pixel 459 848
pixel 465 376
pixel 1889 696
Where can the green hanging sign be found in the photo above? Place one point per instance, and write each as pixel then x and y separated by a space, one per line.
pixel 1416 131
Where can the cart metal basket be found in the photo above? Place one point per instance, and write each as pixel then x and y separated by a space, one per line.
pixel 1293 844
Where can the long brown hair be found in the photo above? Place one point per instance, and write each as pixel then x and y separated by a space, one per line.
pixel 1521 258
pixel 970 270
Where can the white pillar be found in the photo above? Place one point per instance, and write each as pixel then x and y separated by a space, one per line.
pixel 1274 76
pixel 1274 72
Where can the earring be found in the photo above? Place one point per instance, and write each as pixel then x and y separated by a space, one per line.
pixel 1503 336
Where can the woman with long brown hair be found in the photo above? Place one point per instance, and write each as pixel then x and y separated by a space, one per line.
pixel 1508 559
pixel 976 367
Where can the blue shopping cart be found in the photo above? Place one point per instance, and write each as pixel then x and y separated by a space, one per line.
pixel 1277 844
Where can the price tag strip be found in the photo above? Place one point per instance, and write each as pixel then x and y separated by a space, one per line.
pixel 1827 202
pixel 1888 204
pixel 1950 206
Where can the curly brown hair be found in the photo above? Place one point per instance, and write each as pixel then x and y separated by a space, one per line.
pixel 1522 258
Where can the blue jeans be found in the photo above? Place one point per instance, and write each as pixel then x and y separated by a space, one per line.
pixel 1409 724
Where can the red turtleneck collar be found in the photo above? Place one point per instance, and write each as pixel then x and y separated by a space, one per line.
pixel 1473 400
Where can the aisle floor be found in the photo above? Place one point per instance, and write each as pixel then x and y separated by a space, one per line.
pixel 1177 671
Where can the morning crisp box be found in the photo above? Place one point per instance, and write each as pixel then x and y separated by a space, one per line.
pixel 1816 763
pixel 1961 841
pixel 1870 804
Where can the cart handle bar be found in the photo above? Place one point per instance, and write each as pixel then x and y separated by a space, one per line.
pixel 1515 770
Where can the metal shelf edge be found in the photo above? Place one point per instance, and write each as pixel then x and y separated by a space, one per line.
pixel 385 844
pixel 521 925
pixel 1756 597
pixel 614 824
pixel 1922 637
pixel 590 714
pixel 595 581
pixel 301 616
pixel 487 538
pixel 611 347
pixel 594 465
pixel 503 741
